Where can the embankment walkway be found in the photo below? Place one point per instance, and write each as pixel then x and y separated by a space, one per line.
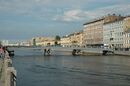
pixel 7 72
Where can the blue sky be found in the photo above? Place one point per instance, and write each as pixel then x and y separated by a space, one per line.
pixel 24 19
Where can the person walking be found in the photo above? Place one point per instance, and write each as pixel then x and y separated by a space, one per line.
pixel 1 52
pixel 5 52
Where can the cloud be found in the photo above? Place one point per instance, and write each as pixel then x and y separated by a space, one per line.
pixel 70 15
pixel 80 15
pixel 53 15
pixel 62 10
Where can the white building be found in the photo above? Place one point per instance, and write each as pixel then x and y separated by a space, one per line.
pixel 5 42
pixel 24 43
pixel 93 30
pixel 113 33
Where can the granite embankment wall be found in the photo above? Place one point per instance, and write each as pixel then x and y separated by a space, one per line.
pixel 125 53
pixel 7 72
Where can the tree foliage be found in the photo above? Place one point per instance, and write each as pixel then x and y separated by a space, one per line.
pixel 57 38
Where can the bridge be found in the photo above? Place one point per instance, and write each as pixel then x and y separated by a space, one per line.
pixel 76 51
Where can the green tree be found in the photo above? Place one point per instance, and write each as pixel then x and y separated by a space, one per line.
pixel 0 43
pixel 34 42
pixel 57 38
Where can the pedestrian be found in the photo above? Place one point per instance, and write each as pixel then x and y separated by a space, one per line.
pixel 6 53
pixel 1 52
pixel 45 51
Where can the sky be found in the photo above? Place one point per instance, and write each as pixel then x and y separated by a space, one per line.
pixel 24 19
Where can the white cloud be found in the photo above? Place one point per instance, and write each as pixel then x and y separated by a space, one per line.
pixel 79 15
pixel 44 8
pixel 72 15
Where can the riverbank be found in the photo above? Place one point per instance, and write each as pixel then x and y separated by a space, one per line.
pixel 1 64
pixel 7 72
pixel 123 53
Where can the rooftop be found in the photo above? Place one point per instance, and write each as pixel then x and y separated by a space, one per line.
pixel 107 19
pixel 116 20
pixel 93 21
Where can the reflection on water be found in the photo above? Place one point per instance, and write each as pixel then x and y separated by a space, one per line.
pixel 36 70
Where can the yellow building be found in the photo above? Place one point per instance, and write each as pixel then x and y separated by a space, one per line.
pixel 127 24
pixel 74 39
pixel 127 32
pixel 65 41
pixel 43 41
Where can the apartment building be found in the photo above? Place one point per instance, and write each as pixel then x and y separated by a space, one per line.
pixel 113 33
pixel 93 30
pixel 74 39
pixel 65 41
pixel 116 33
pixel 43 41
pixel 126 32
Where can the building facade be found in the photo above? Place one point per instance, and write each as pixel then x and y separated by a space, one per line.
pixel 74 39
pixel 113 33
pixel 127 40
pixel 5 42
pixel 93 33
pixel 127 32
pixel 65 41
pixel 43 41
pixel 116 33
pixel 93 30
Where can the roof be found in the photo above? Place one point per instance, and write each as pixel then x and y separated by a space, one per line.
pixel 107 19
pixel 116 20
pixel 96 20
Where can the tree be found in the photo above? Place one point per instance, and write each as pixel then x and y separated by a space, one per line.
pixel 57 38
pixel 0 43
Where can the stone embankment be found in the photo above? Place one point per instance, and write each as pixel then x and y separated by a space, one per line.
pixel 7 72
pixel 124 53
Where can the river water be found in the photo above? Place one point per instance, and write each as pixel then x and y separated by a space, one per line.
pixel 34 69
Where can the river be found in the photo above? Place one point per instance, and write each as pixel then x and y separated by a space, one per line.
pixel 34 69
